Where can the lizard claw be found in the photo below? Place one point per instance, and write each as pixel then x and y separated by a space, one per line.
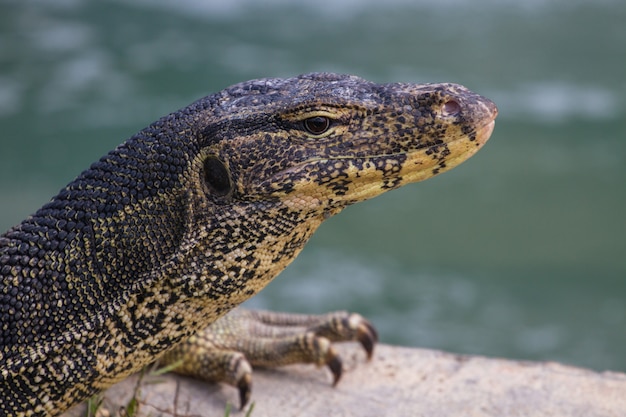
pixel 244 385
pixel 335 365
pixel 356 327
pixel 368 336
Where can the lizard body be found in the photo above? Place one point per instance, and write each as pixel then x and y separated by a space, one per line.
pixel 197 213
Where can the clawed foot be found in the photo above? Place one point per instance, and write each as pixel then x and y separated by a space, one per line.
pixel 227 350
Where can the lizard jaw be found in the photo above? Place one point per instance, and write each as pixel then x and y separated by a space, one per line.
pixel 366 179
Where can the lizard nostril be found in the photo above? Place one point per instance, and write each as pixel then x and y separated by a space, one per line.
pixel 451 108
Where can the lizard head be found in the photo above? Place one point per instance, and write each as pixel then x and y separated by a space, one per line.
pixel 323 141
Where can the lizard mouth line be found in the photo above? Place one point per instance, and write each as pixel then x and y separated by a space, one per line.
pixel 482 135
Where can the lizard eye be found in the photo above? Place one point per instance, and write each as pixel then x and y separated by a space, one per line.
pixel 216 176
pixel 317 125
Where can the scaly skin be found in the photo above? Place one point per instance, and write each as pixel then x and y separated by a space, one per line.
pixel 198 212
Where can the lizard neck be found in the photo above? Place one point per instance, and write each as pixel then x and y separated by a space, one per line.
pixel 255 245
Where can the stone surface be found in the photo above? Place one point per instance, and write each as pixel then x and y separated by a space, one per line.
pixel 398 382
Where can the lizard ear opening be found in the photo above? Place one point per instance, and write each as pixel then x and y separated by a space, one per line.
pixel 217 176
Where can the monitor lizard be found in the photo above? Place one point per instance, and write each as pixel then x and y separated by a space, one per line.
pixel 196 213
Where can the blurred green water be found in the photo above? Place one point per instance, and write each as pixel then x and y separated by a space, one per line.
pixel 520 252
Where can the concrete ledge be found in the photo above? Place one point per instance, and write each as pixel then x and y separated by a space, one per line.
pixel 398 382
